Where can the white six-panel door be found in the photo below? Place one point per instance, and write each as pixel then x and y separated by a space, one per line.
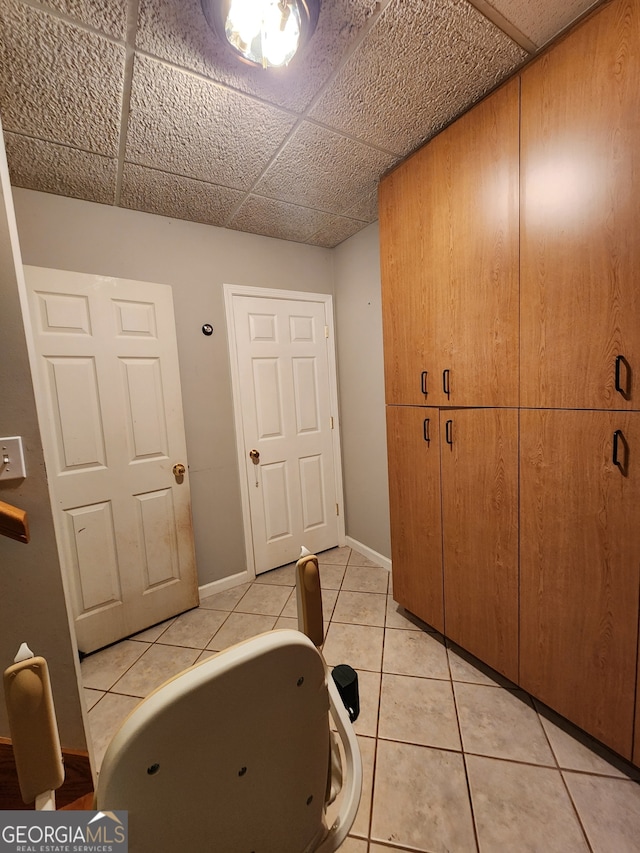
pixel 111 414
pixel 283 373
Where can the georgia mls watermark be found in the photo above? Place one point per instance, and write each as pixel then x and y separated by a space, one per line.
pixel 63 832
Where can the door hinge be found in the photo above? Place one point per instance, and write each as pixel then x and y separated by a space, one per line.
pixel 326 331
pixel 337 509
pixel 331 421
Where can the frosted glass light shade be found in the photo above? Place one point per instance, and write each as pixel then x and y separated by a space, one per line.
pixel 264 33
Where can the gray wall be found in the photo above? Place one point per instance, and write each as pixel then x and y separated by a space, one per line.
pixel 196 260
pixel 32 599
pixel 361 375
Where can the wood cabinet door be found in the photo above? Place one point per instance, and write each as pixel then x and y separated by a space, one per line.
pixel 414 497
pixel 480 524
pixel 404 309
pixel 449 263
pixel 580 198
pixel 472 260
pixel 579 566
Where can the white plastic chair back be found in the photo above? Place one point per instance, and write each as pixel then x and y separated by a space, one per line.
pixel 233 755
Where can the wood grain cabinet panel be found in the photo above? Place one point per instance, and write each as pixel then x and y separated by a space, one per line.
pixel 473 260
pixel 454 537
pixel 449 263
pixel 580 201
pixel 414 498
pixel 480 523
pixel 405 300
pixel 580 566
pixel 510 256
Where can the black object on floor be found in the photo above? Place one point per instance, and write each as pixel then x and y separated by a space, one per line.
pixel 346 680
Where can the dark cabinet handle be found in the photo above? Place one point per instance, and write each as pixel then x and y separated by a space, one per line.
pixel 445 382
pixel 618 366
pixel 423 381
pixel 623 383
pixel 620 452
pixel 425 430
pixel 448 432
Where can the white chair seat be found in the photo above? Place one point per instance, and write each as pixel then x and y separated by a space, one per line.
pixel 233 755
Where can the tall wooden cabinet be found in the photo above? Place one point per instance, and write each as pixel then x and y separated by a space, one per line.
pixel 471 254
pixel 510 251
pixel 579 366
pixel 580 209
pixel 580 566
pixel 405 314
pixel 449 257
pixel 413 438
pixel 479 462
pixel 455 539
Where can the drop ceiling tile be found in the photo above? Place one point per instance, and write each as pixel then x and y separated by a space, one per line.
pixel 59 82
pixel 365 208
pixel 176 196
pixel 50 168
pixel 184 124
pixel 179 33
pixel 335 230
pixel 322 169
pixel 277 219
pixel 108 16
pixel 205 130
pixel 541 20
pixel 424 62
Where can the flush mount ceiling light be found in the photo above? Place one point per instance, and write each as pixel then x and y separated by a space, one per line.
pixel 266 33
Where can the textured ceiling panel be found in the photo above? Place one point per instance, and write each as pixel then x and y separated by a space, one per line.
pixel 177 196
pixel 182 123
pixel 336 229
pixel 179 33
pixel 277 219
pixel 58 169
pixel 366 208
pixel 541 20
pixel 108 16
pixel 135 103
pixel 322 169
pixel 58 82
pixel 396 103
pixel 290 221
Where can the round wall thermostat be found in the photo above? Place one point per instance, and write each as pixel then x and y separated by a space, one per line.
pixel 207 329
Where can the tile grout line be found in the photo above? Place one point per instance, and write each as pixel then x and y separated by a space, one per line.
pixel 122 675
pixel 571 800
pixel 377 726
pixel 368 841
pixel 474 822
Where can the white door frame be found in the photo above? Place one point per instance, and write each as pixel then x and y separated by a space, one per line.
pixel 231 290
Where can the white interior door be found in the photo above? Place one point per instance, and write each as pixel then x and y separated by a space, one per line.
pixel 288 431
pixel 110 408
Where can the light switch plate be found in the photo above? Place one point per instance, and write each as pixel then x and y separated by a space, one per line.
pixel 12 459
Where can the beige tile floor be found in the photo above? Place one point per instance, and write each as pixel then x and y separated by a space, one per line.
pixel 455 758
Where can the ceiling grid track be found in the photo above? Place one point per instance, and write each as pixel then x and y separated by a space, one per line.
pixel 295 155
pixel 130 44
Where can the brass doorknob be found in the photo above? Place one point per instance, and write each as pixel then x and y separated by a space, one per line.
pixel 179 470
pixel 254 455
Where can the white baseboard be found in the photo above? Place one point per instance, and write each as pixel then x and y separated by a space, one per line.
pixel 223 584
pixel 369 553
pixel 246 577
